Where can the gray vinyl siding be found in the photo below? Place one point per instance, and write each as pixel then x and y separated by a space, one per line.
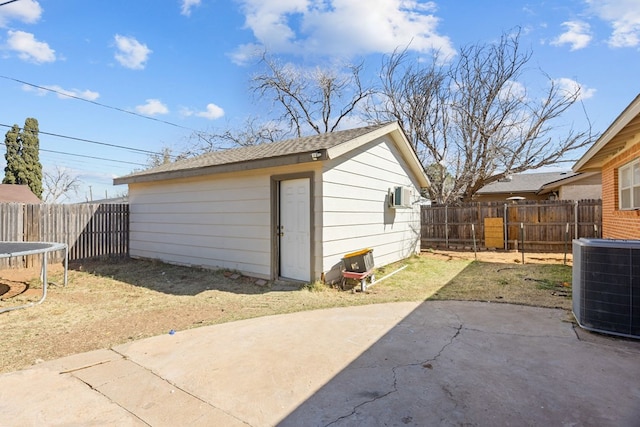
pixel 355 212
pixel 212 222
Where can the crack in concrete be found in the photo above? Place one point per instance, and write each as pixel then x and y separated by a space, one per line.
pixel 394 388
pixel 125 357
pixel 109 399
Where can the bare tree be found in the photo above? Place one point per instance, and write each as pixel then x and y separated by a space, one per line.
pixel 314 100
pixel 311 100
pixel 58 185
pixel 416 97
pixel 166 155
pixel 200 142
pixel 474 119
pixel 253 132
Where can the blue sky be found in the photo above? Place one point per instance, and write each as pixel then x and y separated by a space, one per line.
pixel 186 64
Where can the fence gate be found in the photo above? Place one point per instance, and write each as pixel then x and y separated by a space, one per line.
pixel 494 233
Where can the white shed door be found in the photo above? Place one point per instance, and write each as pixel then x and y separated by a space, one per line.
pixel 295 243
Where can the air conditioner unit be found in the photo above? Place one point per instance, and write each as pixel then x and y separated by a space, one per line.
pixel 400 197
pixel 606 286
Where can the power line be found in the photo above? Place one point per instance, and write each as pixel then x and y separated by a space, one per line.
pixel 7 2
pixel 82 164
pixel 92 157
pixel 96 103
pixel 138 150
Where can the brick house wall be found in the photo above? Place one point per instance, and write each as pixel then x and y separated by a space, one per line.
pixel 617 224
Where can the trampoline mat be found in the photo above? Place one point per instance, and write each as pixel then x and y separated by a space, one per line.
pixel 16 248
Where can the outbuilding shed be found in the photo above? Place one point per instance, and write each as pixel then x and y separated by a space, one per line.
pixel 284 210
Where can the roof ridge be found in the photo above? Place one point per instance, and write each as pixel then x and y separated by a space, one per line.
pixel 264 150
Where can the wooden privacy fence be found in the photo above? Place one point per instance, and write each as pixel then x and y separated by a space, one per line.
pixel 89 230
pixel 544 226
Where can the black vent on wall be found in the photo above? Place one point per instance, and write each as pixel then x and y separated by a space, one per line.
pixel 606 285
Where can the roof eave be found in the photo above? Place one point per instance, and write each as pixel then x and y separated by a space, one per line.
pixel 298 158
pixel 401 141
pixel 550 186
pixel 587 163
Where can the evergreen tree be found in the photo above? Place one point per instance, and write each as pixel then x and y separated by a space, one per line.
pixel 23 157
pixel 31 155
pixel 14 172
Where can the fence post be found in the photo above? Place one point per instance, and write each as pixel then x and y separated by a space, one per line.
pixel 475 248
pixel 566 243
pixel 575 218
pixel 522 240
pixel 506 229
pixel 446 227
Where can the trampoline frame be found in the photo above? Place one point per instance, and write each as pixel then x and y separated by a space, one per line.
pixel 22 249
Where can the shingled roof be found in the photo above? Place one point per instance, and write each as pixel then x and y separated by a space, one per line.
pixel 14 193
pixel 290 151
pixel 524 182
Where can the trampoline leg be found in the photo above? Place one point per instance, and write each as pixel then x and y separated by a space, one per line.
pixel 44 278
pixel 66 264
pixel 43 274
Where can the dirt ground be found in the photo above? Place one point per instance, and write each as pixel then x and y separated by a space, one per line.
pixel 111 302
pixel 507 257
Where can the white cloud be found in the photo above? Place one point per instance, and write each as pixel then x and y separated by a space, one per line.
pixel 571 86
pixel 623 16
pixel 28 48
pixel 152 108
pixel 212 112
pixel 187 5
pixel 27 11
pixel 245 53
pixel 131 53
pixel 342 27
pixel 62 93
pixel 89 95
pixel 577 35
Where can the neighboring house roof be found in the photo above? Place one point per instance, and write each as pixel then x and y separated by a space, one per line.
pixel 14 193
pixel 524 183
pixel 619 134
pixel 571 178
pixel 292 151
pixel 110 201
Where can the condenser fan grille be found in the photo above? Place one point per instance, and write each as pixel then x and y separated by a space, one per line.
pixel 606 285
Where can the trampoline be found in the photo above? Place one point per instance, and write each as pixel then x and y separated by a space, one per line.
pixel 16 249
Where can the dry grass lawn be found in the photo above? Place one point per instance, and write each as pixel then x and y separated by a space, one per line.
pixel 111 302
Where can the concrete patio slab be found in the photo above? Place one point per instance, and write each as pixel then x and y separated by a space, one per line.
pixel 430 363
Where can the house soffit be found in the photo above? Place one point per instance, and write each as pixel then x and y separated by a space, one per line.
pixel 623 133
